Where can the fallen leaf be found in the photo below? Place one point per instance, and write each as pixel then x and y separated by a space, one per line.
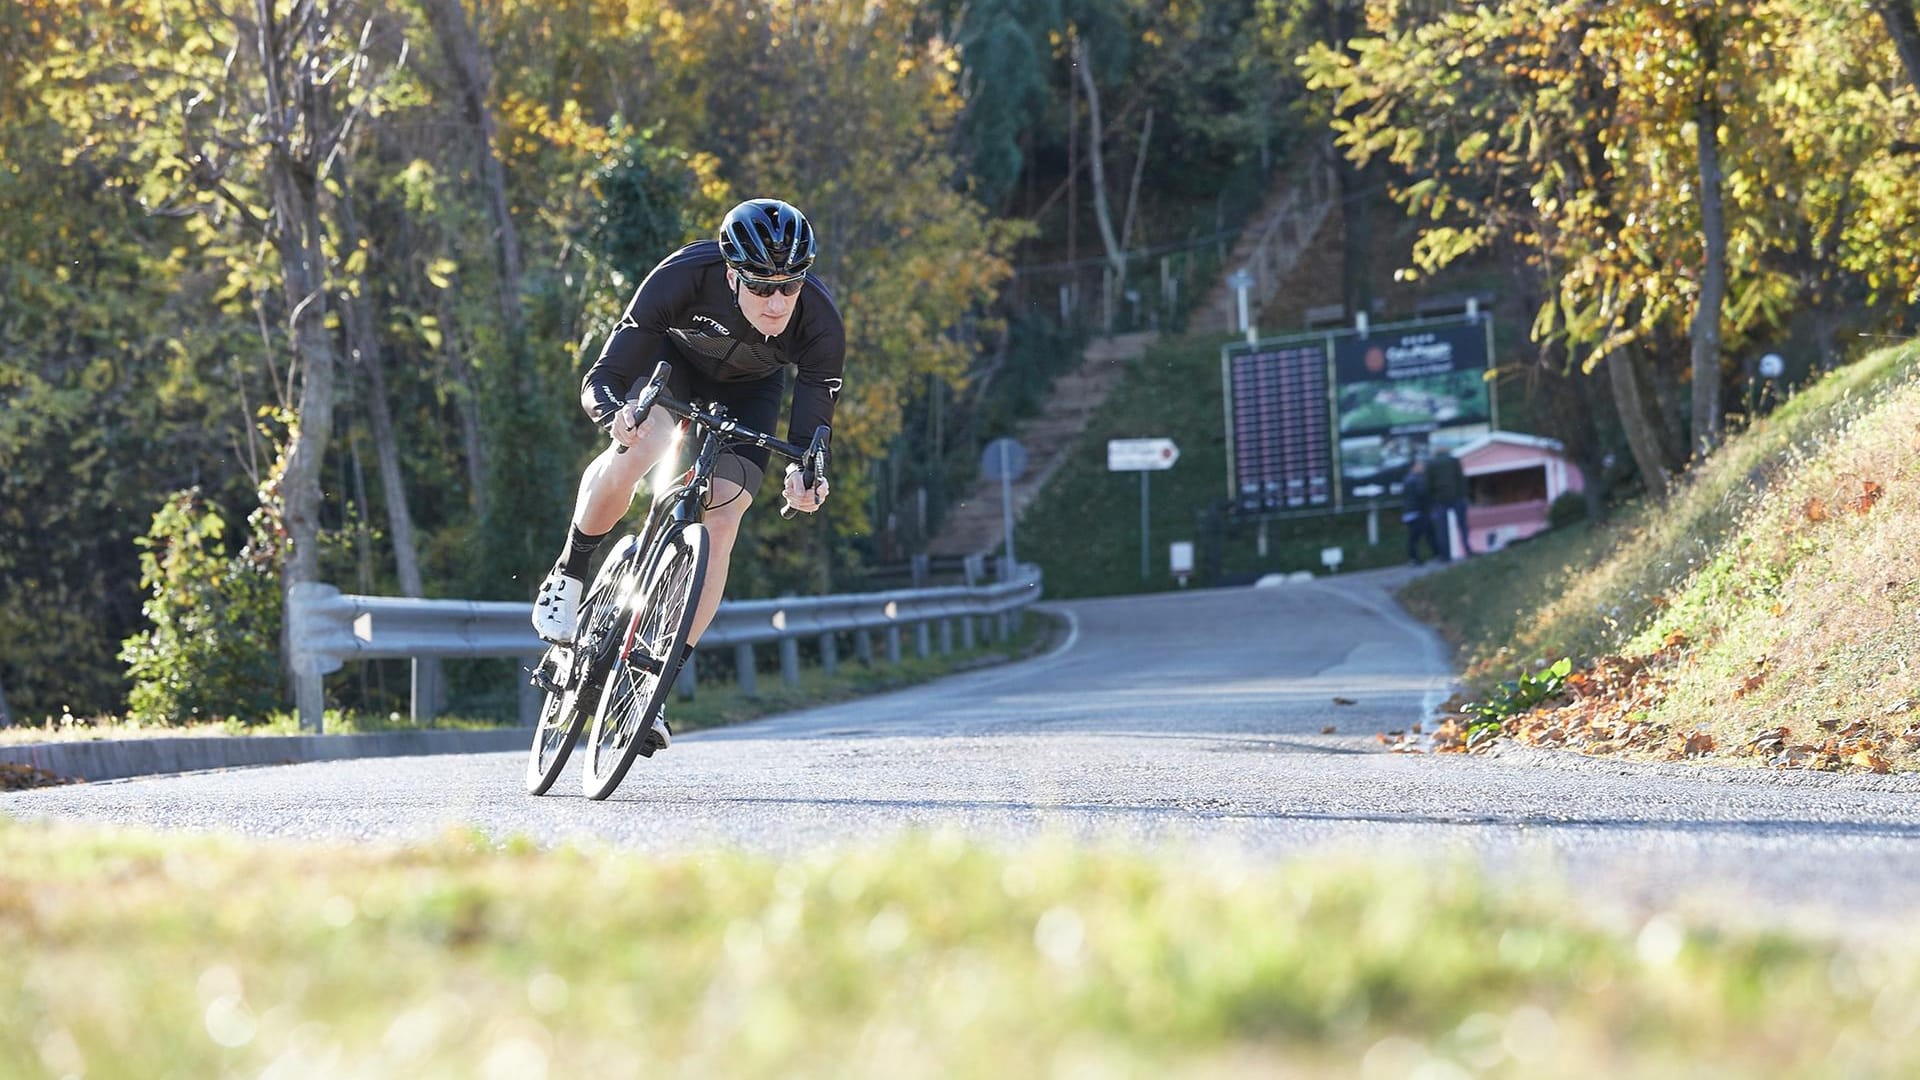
pixel 1898 707
pixel 1816 511
pixel 1677 640
pixel 1328 730
pixel 1869 494
pixel 1698 744
pixel 1344 701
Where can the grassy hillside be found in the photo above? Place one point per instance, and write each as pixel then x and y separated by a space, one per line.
pixel 1777 590
pixel 1085 530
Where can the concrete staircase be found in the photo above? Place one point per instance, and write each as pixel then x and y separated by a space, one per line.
pixel 1268 248
pixel 973 525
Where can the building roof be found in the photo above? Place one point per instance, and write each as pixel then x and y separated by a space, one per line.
pixel 1511 438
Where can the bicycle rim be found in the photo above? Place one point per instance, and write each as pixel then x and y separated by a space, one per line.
pixel 559 728
pixel 631 695
pixel 561 717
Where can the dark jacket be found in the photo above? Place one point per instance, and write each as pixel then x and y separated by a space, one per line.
pixel 684 313
pixel 1445 480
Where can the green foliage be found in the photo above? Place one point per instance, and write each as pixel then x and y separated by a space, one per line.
pixel 1516 696
pixel 1568 508
pixel 211 654
pixel 644 189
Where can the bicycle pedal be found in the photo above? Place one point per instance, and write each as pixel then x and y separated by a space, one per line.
pixel 541 680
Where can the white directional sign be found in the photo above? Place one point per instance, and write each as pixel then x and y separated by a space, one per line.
pixel 1141 455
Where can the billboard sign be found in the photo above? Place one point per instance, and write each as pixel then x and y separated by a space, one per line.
pixel 1405 392
pixel 1280 429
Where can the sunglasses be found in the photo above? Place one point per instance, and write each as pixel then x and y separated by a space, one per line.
pixel 761 287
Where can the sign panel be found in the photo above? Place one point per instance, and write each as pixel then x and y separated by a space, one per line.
pixel 1140 455
pixel 1281 429
pixel 1405 393
pixel 1003 459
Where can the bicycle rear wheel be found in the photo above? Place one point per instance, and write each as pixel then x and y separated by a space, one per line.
pixel 579 670
pixel 643 672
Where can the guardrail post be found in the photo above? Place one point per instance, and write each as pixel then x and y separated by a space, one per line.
pixel 530 695
pixel 829 654
pixel 922 647
pixel 946 636
pixel 863 646
pixel 966 632
pixel 893 644
pixel 743 669
pixel 790 661
pixel 1006 627
pixel 424 702
pixel 310 702
pixel 683 682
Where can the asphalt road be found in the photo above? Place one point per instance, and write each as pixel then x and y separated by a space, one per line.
pixel 1170 720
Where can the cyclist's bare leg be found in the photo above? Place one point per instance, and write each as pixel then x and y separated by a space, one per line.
pixel 730 501
pixel 607 487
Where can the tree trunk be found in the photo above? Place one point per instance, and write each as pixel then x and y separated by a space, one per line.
pixel 466 407
pixel 1898 15
pixel 303 280
pixel 473 75
pixel 365 343
pixel 1637 417
pixel 1103 214
pixel 1340 25
pixel 1705 335
pixel 6 716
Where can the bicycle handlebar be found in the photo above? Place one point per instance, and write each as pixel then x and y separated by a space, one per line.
pixel 812 457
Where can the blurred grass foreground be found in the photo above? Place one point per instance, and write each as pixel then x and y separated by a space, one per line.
pixel 131 956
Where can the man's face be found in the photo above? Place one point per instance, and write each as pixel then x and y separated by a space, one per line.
pixel 768 314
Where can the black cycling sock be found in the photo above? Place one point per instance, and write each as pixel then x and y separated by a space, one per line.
pixel 578 552
pixel 686 654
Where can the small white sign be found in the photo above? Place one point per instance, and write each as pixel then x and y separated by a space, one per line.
pixel 1141 455
pixel 1180 556
pixel 1332 557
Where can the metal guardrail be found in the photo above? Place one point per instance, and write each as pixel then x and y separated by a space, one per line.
pixel 326 628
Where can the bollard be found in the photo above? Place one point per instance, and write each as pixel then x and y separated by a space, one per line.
pixel 743 669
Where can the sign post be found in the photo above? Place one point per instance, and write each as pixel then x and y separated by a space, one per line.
pixel 1005 460
pixel 1142 456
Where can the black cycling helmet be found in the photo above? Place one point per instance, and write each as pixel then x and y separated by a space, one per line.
pixel 767 238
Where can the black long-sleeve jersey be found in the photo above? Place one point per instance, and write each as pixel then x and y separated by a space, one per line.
pixel 684 313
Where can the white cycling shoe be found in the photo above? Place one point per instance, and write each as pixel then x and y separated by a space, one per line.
pixel 557 608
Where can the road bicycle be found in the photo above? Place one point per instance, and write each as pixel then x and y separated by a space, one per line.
pixel 612 681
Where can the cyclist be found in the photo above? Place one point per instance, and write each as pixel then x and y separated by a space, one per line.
pixel 728 314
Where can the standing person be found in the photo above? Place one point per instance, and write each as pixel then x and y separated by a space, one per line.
pixel 1417 512
pixel 1448 484
pixel 728 314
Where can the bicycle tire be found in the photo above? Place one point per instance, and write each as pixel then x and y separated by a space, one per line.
pixel 630 696
pixel 561 719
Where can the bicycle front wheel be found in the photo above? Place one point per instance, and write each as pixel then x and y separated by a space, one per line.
pixel 640 680
pixel 577 670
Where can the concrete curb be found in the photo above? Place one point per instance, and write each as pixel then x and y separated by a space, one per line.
pixel 116 759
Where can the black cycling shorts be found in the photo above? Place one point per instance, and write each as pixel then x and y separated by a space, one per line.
pixel 754 403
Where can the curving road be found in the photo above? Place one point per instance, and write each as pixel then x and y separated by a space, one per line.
pixel 1172 718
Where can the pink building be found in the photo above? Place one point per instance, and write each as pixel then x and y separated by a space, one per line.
pixel 1511 480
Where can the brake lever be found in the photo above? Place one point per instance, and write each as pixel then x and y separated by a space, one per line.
pixel 643 401
pixel 813 466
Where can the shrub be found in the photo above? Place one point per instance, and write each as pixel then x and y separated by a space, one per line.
pixel 213 650
pixel 1568 508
